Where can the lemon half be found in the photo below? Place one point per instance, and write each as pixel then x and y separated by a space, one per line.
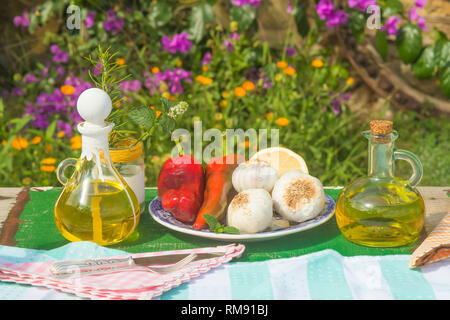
pixel 282 159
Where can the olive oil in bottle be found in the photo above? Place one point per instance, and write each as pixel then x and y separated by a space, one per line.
pixel 382 210
pixel 96 203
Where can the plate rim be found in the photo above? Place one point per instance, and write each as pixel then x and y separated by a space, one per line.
pixel 244 236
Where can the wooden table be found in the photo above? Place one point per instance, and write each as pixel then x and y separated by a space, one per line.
pixel 13 200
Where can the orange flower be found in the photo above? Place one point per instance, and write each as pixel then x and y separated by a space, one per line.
pixel 203 80
pixel 48 168
pixel 4 142
pixel 152 107
pixel 225 94
pixel 269 115
pixel 289 71
pixel 19 143
pixel 120 61
pixel 67 90
pixel 248 85
pixel 282 64
pixel 316 63
pixel 240 92
pixel 166 95
pixel 36 140
pixel 350 81
pixel 155 70
pixel 172 98
pixel 76 142
pixel 179 63
pixel 48 148
pixel 158 113
pixel 223 103
pixel 48 161
pixel 282 121
pixel 205 68
pixel 61 134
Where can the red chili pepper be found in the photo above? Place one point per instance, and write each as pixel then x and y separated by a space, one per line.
pixel 219 188
pixel 180 187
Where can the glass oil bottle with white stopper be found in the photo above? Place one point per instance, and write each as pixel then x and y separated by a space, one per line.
pixel 96 203
pixel 381 209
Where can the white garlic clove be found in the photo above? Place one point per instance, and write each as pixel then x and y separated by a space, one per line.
pixel 250 211
pixel 254 175
pixel 298 197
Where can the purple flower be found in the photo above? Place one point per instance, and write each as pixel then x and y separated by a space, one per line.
pixel 289 7
pixel 420 3
pixel 206 58
pixel 60 69
pixel 335 20
pixel 58 54
pixel 229 42
pixel 98 69
pixel 326 11
pixel 240 3
pixel 90 19
pixel 22 21
pixel 65 127
pixel 171 78
pixel 335 104
pixel 361 5
pixel 291 52
pixel 17 91
pixel 413 14
pixel 130 85
pixel 421 23
pixel 113 23
pixel 179 42
pixel 391 25
pixel 30 78
pixel 325 8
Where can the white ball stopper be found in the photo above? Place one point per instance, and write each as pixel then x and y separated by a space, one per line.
pixel 94 105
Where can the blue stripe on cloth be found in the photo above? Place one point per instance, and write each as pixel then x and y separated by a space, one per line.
pixel 405 284
pixel 250 281
pixel 326 278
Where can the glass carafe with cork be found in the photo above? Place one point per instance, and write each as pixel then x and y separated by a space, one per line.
pixel 96 203
pixel 382 210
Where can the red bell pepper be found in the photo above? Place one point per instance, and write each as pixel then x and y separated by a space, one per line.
pixel 180 187
pixel 219 188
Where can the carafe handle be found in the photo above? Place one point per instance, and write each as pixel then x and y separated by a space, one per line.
pixel 414 162
pixel 63 165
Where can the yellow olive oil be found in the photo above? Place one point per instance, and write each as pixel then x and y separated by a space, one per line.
pixel 376 212
pixel 98 211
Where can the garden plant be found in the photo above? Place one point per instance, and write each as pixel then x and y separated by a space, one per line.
pixel 217 60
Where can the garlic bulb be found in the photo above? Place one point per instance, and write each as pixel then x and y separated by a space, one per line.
pixel 254 175
pixel 250 211
pixel 297 196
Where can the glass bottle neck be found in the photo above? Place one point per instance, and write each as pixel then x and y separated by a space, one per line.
pixel 381 157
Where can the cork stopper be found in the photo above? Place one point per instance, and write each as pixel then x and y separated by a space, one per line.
pixel 381 127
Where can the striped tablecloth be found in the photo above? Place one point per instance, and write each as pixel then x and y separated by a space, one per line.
pixel 321 275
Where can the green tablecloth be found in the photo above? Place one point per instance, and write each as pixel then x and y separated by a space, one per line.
pixel 37 230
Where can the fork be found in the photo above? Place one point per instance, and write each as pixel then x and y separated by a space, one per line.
pixel 70 273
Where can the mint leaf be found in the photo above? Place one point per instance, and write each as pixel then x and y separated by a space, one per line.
pixel 215 225
pixel 142 116
pixel 230 229
pixel 166 104
pixel 167 123
pixel 211 221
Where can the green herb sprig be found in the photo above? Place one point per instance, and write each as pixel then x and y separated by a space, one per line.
pixel 216 227
pixel 142 116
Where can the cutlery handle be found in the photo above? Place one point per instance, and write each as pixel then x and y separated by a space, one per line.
pixel 73 267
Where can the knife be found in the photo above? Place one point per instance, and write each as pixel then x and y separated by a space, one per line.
pixel 72 267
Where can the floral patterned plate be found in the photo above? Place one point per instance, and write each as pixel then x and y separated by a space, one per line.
pixel 168 220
